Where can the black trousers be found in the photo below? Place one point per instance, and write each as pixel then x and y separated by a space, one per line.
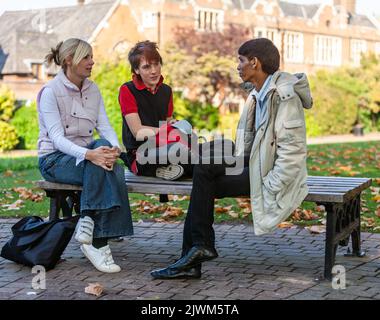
pixel 210 182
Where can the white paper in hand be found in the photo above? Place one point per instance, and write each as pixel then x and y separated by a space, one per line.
pixel 183 126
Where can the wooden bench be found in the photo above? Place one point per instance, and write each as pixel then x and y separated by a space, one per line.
pixel 340 196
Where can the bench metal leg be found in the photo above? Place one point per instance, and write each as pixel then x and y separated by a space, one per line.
pixel 343 223
pixel 65 201
pixel 164 198
pixel 355 210
pixel 330 246
pixel 55 205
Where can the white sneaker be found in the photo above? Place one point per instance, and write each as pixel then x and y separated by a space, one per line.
pixel 85 230
pixel 100 258
pixel 171 172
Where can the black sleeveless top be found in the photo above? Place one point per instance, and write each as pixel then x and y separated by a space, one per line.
pixel 152 108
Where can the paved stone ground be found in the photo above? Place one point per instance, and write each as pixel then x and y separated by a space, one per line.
pixel 283 265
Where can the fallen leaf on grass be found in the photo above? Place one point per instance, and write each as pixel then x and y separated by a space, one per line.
pixel 378 212
pixel 219 209
pixel 8 173
pixel 297 214
pixel 14 206
pixel 95 289
pixel 368 222
pixel 28 194
pixel 316 229
pixel 233 214
pixel 178 198
pixel 134 204
pixel 146 207
pixel 247 210
pixel 345 168
pixel 172 212
pixel 335 172
pixel 376 198
pixel 320 208
pixel 377 181
pixel 285 225
pixel 244 204
pixel 305 215
pixel 374 191
pixel 9 195
pixel 309 215
pixel 315 168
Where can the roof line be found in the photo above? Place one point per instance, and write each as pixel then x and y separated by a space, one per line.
pixel 103 21
pixel 321 7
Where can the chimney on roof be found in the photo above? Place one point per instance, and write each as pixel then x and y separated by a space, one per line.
pixel 348 5
pixel 81 2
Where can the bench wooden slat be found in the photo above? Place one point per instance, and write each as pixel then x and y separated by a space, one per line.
pixel 325 198
pixel 56 186
pixel 321 188
pixel 336 178
pixel 159 189
pixel 327 188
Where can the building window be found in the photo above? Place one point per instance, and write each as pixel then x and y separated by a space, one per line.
pixel 328 51
pixel 37 71
pixel 148 19
pixel 358 47
pixel 268 33
pixel 293 45
pixel 210 20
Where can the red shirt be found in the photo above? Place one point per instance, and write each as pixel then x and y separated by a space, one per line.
pixel 127 101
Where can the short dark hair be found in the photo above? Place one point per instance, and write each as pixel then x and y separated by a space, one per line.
pixel 147 49
pixel 265 51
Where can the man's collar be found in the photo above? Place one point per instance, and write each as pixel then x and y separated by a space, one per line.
pixel 260 95
pixel 140 85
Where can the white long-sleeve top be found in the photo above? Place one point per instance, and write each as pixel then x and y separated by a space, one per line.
pixel 52 120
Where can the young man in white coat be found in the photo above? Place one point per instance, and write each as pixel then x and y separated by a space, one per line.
pixel 272 139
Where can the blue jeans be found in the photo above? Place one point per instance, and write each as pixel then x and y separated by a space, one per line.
pixel 104 192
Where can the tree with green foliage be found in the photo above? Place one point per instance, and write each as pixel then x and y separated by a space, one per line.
pixel 109 76
pixel 8 135
pixel 344 97
pixel 205 63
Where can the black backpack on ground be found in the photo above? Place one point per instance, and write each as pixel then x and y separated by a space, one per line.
pixel 39 242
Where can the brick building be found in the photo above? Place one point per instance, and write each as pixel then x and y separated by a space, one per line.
pixel 308 36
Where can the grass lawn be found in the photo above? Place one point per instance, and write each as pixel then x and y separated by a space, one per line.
pixel 351 160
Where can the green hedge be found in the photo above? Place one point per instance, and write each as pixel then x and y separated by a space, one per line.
pixel 335 105
pixel 25 120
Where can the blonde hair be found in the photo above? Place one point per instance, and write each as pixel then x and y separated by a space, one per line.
pixel 75 48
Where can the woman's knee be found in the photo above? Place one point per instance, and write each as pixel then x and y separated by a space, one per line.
pixel 100 143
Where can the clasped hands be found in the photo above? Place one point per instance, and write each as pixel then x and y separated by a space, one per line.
pixel 104 156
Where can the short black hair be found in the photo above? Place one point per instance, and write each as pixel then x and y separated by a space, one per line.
pixel 265 51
